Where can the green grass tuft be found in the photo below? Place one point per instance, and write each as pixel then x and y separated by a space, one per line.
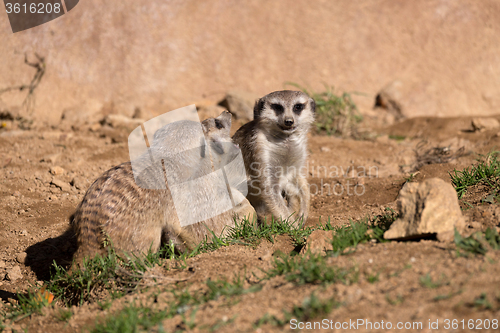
pixel 27 304
pixel 312 307
pixel 131 319
pixel 335 115
pixel 347 237
pixel 310 268
pixel 486 172
pixel 108 272
pixel 478 242
pixel 64 315
pixel 426 281
pixel 251 234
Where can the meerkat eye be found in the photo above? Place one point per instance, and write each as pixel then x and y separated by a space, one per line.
pixel 278 108
pixel 297 108
pixel 218 124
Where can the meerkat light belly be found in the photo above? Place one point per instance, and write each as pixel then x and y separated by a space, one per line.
pixel 274 147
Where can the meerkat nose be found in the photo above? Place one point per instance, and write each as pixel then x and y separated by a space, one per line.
pixel 288 122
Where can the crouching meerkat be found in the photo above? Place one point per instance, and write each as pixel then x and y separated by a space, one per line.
pixel 274 147
pixel 134 216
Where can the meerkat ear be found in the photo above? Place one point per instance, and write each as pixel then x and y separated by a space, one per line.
pixel 257 109
pixel 312 103
pixel 225 119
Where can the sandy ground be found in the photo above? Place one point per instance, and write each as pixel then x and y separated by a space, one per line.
pixel 45 174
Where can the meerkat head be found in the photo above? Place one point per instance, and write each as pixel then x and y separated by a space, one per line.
pixel 218 138
pixel 286 111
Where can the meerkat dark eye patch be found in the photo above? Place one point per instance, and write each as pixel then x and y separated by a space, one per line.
pixel 297 108
pixel 218 124
pixel 278 108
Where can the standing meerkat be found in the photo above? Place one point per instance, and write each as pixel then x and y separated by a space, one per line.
pixel 274 147
pixel 134 216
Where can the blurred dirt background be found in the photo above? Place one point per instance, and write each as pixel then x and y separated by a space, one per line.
pixel 117 56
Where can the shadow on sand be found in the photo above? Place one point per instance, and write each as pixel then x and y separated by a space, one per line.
pixel 41 256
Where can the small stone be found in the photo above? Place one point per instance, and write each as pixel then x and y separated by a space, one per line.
pixel 475 225
pixel 267 256
pixel 57 170
pixel 14 274
pixel 484 124
pixel 325 149
pixel 391 98
pixel 61 184
pixel 319 241
pixel 121 121
pixel 2 264
pixel 21 257
pixel 51 158
pixel 78 183
pixel 16 194
pixel 140 113
pixel 240 104
pixel 95 127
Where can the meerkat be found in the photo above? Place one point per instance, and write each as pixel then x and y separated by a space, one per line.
pixel 274 147
pixel 132 215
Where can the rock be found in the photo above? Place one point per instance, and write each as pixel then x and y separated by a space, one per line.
pixel 14 274
pixel 325 149
pixel 319 241
pixel 267 256
pixel 79 183
pixel 2 264
pixel 446 236
pixel 43 177
pixel 484 124
pixel 95 127
pixel 240 104
pixel 57 170
pixel 114 134
pixel 142 114
pixel 21 257
pixel 6 114
pixel 76 117
pixel 390 98
pixel 51 158
pixel 121 121
pixel 427 208
pixel 61 184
